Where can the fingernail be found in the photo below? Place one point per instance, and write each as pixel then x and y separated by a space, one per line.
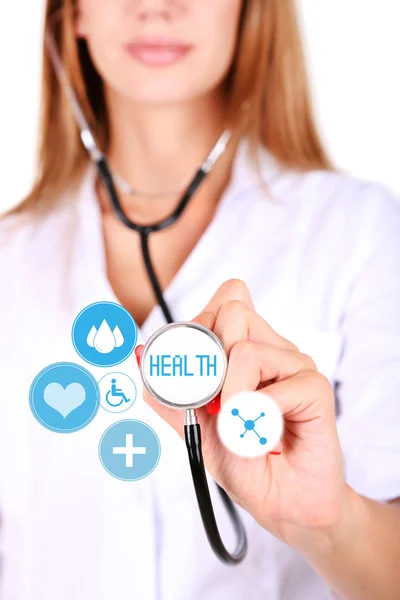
pixel 138 353
pixel 275 453
pixel 214 406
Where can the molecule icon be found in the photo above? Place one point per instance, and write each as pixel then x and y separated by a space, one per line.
pixel 250 425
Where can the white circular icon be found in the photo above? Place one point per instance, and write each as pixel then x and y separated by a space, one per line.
pixel 117 392
pixel 250 424
pixel 183 365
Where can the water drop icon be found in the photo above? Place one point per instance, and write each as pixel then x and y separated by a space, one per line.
pixel 91 336
pixel 119 338
pixel 104 340
pixel 104 334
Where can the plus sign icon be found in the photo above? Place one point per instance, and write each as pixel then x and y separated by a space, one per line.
pixel 129 450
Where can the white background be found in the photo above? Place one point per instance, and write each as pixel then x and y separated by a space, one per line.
pixel 353 51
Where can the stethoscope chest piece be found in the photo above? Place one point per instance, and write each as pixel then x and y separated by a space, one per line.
pixel 183 365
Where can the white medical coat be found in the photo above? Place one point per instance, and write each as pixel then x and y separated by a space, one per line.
pixel 321 256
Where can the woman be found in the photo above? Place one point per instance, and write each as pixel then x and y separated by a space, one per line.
pixel 293 265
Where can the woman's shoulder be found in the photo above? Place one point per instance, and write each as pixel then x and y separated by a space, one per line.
pixel 15 229
pixel 329 213
pixel 318 193
pixel 336 200
pixel 31 232
pixel 45 220
pixel 354 207
pixel 341 189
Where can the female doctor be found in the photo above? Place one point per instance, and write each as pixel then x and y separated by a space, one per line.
pixel 294 266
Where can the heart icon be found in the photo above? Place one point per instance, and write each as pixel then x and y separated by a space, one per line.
pixel 64 401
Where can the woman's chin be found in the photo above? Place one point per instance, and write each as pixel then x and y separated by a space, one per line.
pixel 161 96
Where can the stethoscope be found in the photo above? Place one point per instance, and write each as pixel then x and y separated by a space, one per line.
pixel 181 334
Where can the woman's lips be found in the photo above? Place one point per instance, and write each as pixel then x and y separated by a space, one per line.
pixel 158 54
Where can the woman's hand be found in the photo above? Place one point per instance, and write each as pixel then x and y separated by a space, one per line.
pixel 303 488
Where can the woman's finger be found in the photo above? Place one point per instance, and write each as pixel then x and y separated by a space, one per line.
pixel 231 315
pixel 236 322
pixel 232 289
pixel 253 363
pixel 303 398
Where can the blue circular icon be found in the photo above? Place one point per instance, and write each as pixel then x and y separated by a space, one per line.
pixel 129 450
pixel 104 334
pixel 64 397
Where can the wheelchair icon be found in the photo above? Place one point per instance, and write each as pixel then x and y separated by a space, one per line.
pixel 116 393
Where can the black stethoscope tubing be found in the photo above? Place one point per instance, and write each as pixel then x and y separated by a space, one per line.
pixel 192 431
pixel 145 230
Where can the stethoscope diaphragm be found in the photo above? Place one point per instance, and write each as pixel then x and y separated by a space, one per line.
pixel 183 365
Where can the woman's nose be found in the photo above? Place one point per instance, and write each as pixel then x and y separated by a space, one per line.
pixel 156 10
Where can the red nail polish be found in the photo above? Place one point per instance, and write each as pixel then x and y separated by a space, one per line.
pixel 214 406
pixel 138 353
pixel 275 453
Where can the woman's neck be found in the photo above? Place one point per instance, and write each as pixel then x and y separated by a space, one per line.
pixel 156 148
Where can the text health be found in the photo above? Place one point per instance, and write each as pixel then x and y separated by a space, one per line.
pixel 183 365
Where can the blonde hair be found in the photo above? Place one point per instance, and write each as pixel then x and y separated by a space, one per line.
pixel 267 75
